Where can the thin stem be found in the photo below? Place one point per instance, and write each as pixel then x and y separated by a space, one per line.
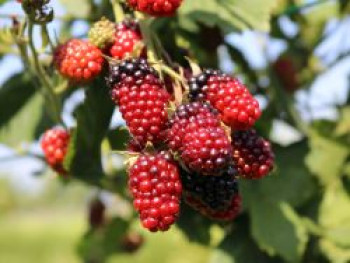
pixel 173 74
pixel 46 32
pixel 147 36
pixel 118 11
pixel 49 89
pixel 161 49
pixel 286 103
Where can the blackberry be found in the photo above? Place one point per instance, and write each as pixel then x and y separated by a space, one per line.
pixel 198 84
pixel 155 185
pixel 189 117
pixel 227 214
pixel 206 151
pixel 237 107
pixel 78 60
pixel 54 144
pixel 214 191
pixel 135 70
pixel 102 33
pixel 156 7
pixel 252 154
pixel 96 213
pixel 127 35
pixel 142 100
pixel 287 72
pixel 132 242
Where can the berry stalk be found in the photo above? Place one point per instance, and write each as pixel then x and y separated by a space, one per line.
pixel 49 89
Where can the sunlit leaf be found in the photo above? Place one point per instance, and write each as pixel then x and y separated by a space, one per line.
pixel 335 215
pixel 326 157
pixel 239 247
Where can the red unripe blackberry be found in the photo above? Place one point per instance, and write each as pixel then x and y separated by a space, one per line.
pixel 54 144
pixel 207 151
pixel 237 107
pixel 216 192
pixel 287 73
pixel 190 117
pixel 78 60
pixel 156 7
pixel 155 185
pixel 142 100
pixel 127 35
pixel 227 214
pixel 252 154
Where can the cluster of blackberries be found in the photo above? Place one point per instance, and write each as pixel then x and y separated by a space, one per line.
pixel 203 147
pixel 208 146
pixel 200 149
pixel 82 60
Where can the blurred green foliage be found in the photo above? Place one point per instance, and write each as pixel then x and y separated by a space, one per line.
pixel 301 213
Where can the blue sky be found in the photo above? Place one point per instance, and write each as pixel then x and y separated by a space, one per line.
pixel 330 88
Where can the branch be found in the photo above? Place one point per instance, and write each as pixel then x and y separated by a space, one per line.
pixel 49 88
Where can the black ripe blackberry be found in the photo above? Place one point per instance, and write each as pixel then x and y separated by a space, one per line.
pixel 135 70
pixel 252 154
pixel 198 84
pixel 227 214
pixel 216 192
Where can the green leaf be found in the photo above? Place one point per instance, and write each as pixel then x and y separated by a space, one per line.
pixel 229 14
pixel 44 123
pixel 278 230
pixel 118 138
pixel 22 126
pixel 343 126
pixel 346 170
pixel 335 215
pixel 83 158
pixel 312 25
pixel 333 252
pixel 256 18
pixel 14 94
pixel 114 233
pixel 344 6
pixel 98 244
pixel 77 8
pixel 194 225
pixel 265 123
pixel 239 247
pixel 326 157
pixel 291 174
pixel 275 225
